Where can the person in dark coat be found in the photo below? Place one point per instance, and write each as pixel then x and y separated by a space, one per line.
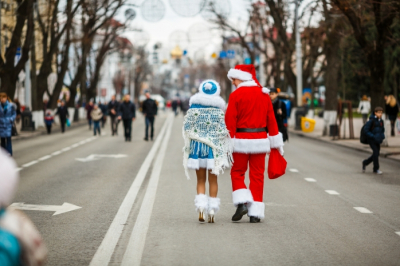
pixel 89 108
pixel 127 113
pixel 7 117
pixel 62 112
pixel 280 112
pixel 174 106
pixel 103 109
pixel 392 110
pixel 48 120
pixel 375 131
pixel 113 113
pixel 149 109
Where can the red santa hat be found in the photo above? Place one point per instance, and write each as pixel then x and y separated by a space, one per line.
pixel 245 73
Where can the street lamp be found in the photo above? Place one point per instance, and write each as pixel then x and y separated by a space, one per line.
pixel 299 64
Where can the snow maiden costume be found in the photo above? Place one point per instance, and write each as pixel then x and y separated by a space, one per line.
pixel 207 141
pixel 249 114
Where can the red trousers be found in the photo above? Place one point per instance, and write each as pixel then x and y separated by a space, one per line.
pixel 257 170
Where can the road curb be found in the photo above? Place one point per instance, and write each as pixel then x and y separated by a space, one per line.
pixel 300 134
pixel 42 131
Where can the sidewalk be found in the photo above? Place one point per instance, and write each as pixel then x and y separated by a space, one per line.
pixel 42 130
pixel 392 151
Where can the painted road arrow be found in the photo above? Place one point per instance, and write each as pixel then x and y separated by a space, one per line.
pixel 66 207
pixel 95 157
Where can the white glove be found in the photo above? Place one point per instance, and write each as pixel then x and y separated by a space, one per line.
pixel 281 150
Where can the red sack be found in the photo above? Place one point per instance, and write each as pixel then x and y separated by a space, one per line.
pixel 276 164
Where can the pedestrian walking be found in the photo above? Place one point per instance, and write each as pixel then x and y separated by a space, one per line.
pixel 97 116
pixel 7 117
pixel 364 108
pixel 280 112
pixel 113 113
pixel 185 105
pixel 249 113
pixel 375 131
pixel 208 147
pixel 174 106
pixel 20 241
pixel 103 109
pixel 127 113
pixel 392 110
pixel 63 114
pixel 149 109
pixel 89 108
pixel 48 120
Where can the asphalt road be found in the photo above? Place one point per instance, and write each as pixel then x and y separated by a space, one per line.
pixel 137 208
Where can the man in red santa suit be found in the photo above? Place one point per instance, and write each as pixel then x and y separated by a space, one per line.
pixel 248 117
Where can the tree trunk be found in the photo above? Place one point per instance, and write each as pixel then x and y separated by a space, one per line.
pixel 377 73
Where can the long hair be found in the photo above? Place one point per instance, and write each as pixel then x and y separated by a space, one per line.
pixel 391 100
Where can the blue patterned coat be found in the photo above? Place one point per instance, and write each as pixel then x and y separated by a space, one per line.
pixel 7 118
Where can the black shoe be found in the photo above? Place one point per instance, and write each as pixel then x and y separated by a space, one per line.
pixel 363 167
pixel 146 139
pixel 240 211
pixel 254 219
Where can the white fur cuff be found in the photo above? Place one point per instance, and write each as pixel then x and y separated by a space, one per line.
pixel 251 146
pixel 256 209
pixel 196 164
pixel 213 204
pixel 241 196
pixel 201 202
pixel 239 74
pixel 265 90
pixel 276 141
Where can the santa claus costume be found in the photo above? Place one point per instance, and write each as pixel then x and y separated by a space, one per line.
pixel 249 114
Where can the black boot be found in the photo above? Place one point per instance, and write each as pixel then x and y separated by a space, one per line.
pixel 254 219
pixel 240 211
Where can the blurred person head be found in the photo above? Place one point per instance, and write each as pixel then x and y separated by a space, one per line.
pixel 3 97
pixel 95 106
pixel 8 179
pixel 236 82
pixel 62 103
pixel 127 98
pixel 364 98
pixel 113 98
pixel 391 100
pixel 91 102
pixel 378 112
pixel 147 94
pixel 273 93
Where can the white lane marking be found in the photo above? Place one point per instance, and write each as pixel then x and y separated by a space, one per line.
pixel 75 145
pixel 332 192
pixel 56 153
pixel 398 233
pixel 82 142
pixel 66 149
pixel 134 250
pixel 105 251
pixel 44 158
pixel 66 207
pixel 362 210
pixel 309 179
pixel 19 169
pixel 293 170
pixel 30 163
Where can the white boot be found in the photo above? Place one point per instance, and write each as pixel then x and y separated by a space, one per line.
pixel 213 208
pixel 201 203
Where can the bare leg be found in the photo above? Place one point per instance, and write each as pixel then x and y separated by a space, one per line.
pixel 213 183
pixel 201 181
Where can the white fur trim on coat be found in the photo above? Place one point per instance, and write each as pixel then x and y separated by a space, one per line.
pixel 256 209
pixel 196 164
pixel 241 196
pixel 249 83
pixel 201 202
pixel 213 204
pixel 265 90
pixel 208 100
pixel 239 74
pixel 253 146
pixel 277 142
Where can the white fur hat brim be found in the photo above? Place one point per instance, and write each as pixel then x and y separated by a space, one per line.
pixel 8 179
pixel 239 74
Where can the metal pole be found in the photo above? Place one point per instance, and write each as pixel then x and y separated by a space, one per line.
pixel 299 64
pixel 28 84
